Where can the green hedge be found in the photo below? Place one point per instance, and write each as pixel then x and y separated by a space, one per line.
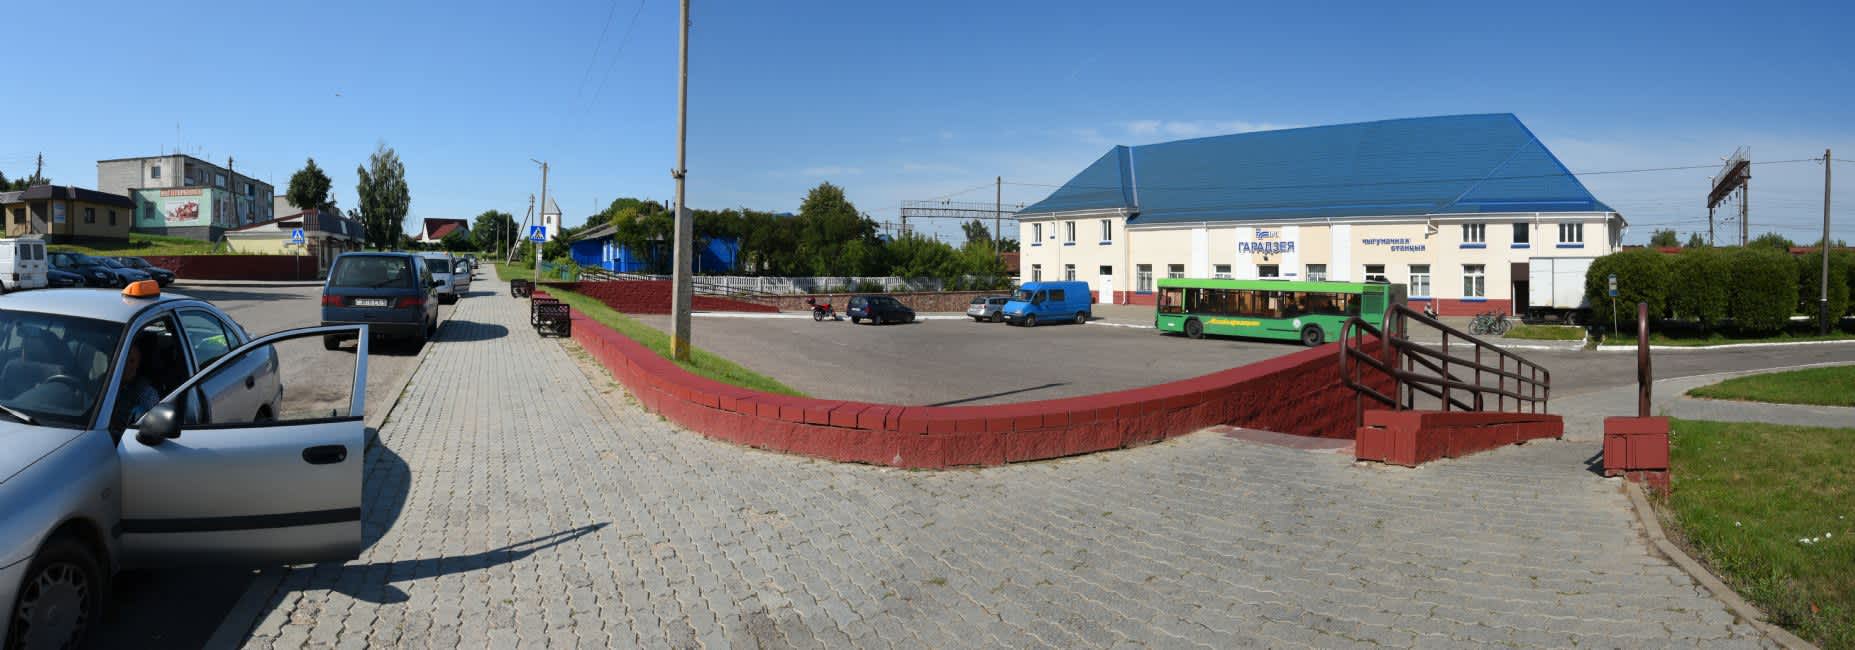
pixel 1643 275
pixel 1702 289
pixel 1764 289
pixel 1810 280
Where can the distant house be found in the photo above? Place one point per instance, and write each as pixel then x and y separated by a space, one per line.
pixel 437 228
pixel 325 236
pixel 597 247
pixel 62 212
pixel 184 196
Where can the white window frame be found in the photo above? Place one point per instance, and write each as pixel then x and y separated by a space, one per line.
pixel 1221 271
pixel 1172 274
pixel 1475 281
pixel 1107 231
pixel 1069 272
pixel 1143 278
pixel 1369 276
pixel 1571 232
pixel 1317 272
pixel 1036 273
pixel 1261 270
pixel 1069 233
pixel 1523 235
pixel 1474 233
pixel 1420 281
pixel 1036 234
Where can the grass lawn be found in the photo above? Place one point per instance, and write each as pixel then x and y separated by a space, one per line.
pixel 514 271
pixel 1771 508
pixel 139 244
pixel 1546 332
pixel 701 362
pixel 1717 338
pixel 1830 386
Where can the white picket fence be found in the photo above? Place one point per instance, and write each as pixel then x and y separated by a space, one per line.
pixel 793 285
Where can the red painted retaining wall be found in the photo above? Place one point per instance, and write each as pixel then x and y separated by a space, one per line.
pixel 238 267
pixel 1412 438
pixel 1297 393
pixel 652 297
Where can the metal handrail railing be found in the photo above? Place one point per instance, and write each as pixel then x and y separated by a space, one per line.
pixel 1398 357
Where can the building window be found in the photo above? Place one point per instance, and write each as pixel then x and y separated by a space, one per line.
pixel 1523 233
pixel 1317 272
pixel 1420 280
pixel 249 190
pixel 1474 281
pixel 219 180
pixel 19 215
pixel 1036 234
pixel 112 217
pixel 1269 271
pixel 90 215
pixel 1107 231
pixel 1069 233
pixel 1375 273
pixel 1143 278
pixel 1175 271
pixel 1221 271
pixel 1036 273
pixel 1474 235
pixel 154 172
pixel 1069 272
pixel 1571 234
pixel 1106 270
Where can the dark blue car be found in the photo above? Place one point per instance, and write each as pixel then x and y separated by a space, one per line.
pixel 394 294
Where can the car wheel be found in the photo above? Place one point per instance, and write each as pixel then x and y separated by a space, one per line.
pixel 855 320
pixel 331 342
pixel 1311 336
pixel 1194 329
pixel 60 597
pixel 998 317
pixel 1030 321
pixel 1082 318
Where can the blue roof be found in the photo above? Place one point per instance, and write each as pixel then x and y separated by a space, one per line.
pixel 1452 164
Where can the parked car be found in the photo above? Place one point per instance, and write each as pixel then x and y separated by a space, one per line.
pixel 124 274
pixel 472 259
pixel 59 279
pixel 87 487
pixel 879 310
pixel 442 267
pixel 160 275
pixel 394 294
pixel 461 276
pixel 22 264
pixel 988 308
pixel 1049 302
pixel 94 273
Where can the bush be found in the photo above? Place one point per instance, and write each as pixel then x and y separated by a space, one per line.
pixel 1642 276
pixel 870 286
pixel 1810 281
pixel 1701 289
pixel 1764 289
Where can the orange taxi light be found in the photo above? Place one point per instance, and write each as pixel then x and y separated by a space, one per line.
pixel 142 289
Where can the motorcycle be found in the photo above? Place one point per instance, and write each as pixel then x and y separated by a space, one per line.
pixel 821 312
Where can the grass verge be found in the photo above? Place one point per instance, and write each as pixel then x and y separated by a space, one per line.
pixel 1830 386
pixel 1545 332
pixel 1769 508
pixel 139 244
pixel 508 272
pixel 701 362
pixel 1717 338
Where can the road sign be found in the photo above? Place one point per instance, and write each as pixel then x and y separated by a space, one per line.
pixel 1613 285
pixel 297 238
pixel 537 233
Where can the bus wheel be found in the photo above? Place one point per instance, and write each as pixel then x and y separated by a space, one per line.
pixel 1194 329
pixel 1312 336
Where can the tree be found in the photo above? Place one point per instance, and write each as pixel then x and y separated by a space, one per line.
pixel 1694 241
pixel 1772 240
pixel 1764 286
pixel 828 222
pixel 384 198
pixel 1664 239
pixel 1702 286
pixel 1643 275
pixel 1810 285
pixel 457 241
pixel 645 236
pixel 1008 245
pixel 18 184
pixel 492 229
pixel 976 231
pixel 309 189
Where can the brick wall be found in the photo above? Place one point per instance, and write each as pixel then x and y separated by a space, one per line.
pixel 652 297
pixel 1298 393
pixel 238 267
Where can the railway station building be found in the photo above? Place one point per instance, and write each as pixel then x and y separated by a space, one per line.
pixel 1457 208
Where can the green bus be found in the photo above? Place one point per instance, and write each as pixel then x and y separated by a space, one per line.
pixel 1310 312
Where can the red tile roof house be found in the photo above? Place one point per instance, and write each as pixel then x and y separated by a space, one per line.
pixel 437 227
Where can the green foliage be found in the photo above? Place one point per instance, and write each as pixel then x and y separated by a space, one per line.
pixel 384 198
pixel 1831 386
pixel 1702 286
pixel 1643 275
pixel 457 241
pixel 1810 285
pixel 1695 241
pixel 19 184
pixel 827 223
pixel 492 230
pixel 1764 289
pixel 1008 245
pixel 1771 240
pixel 976 231
pixel 309 189
pixel 646 235
pixel 869 286
pixel 1664 239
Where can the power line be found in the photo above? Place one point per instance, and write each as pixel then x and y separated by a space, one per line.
pixel 580 90
pixel 618 53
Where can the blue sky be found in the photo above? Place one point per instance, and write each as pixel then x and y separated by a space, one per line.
pixel 917 100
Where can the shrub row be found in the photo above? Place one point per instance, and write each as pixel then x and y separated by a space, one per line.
pixel 1757 289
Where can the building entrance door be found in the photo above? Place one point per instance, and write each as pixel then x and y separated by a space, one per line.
pixel 1105 285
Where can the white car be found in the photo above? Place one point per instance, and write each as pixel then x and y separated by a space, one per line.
pixel 443 268
pixel 209 473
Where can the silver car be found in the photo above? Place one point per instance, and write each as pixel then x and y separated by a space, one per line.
pixel 443 268
pixel 988 308
pixel 189 461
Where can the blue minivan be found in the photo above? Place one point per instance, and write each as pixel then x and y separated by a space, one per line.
pixel 394 294
pixel 1049 302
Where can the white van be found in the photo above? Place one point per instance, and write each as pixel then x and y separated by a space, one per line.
pixel 22 264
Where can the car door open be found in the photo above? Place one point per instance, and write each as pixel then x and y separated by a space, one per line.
pixel 234 489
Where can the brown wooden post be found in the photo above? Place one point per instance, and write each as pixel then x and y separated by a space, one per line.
pixel 1645 377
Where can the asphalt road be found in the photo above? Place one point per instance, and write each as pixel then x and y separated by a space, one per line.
pixel 180 608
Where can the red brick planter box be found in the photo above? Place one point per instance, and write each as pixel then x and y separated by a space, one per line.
pixel 1412 438
pixel 1635 444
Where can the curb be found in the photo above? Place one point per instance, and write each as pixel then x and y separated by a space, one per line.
pixel 210 284
pixel 1645 514
pixel 1727 346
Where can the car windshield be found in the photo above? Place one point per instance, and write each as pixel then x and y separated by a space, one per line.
pixel 439 263
pixel 55 366
pixel 372 272
pixel 979 300
pixel 1023 294
pixel 135 262
pixel 110 262
pixel 1000 301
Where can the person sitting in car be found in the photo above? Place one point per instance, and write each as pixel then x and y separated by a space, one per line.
pixel 138 391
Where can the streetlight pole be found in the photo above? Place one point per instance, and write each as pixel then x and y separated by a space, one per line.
pixel 685 229
pixel 1823 301
pixel 541 216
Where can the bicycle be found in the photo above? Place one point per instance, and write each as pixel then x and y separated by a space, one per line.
pixel 1490 322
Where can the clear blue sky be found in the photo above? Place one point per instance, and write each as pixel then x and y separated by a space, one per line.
pixel 915 100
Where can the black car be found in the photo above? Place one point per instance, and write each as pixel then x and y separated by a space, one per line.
pixel 91 269
pixel 879 310
pixel 124 274
pixel 162 276
pixel 58 279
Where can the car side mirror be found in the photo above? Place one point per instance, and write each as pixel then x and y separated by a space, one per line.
pixel 435 283
pixel 159 424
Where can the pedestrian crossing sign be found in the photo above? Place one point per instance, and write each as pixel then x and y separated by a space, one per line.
pixel 537 233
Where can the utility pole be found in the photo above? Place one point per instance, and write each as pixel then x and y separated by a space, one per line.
pixel 685 228
pixel 1823 301
pixel 1745 199
pixel 998 209
pixel 541 216
pixel 38 171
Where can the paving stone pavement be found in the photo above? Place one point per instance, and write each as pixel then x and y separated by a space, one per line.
pixel 514 501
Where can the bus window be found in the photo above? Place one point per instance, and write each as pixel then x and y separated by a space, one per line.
pixel 1171 300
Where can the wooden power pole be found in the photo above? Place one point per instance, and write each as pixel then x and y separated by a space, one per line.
pixel 685 228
